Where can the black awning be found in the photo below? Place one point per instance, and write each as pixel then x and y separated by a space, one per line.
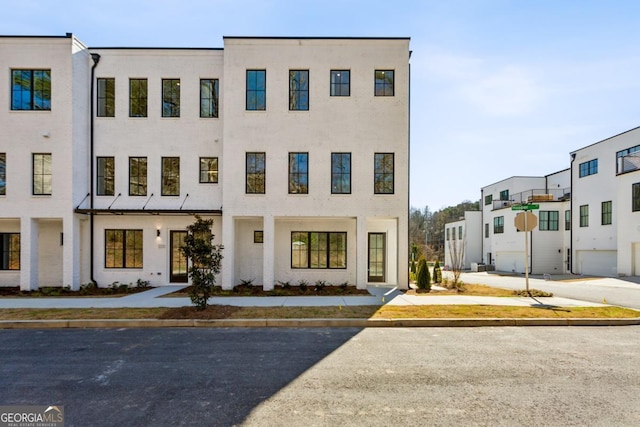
pixel 216 212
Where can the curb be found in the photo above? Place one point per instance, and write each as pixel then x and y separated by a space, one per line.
pixel 311 323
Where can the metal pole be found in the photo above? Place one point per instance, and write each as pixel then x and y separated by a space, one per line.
pixel 526 251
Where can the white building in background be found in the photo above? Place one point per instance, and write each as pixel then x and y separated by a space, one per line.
pixel 461 245
pixel 296 147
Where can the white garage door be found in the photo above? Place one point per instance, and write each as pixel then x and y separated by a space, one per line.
pixel 597 263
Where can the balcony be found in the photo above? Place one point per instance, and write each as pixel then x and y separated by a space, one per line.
pixel 628 163
pixel 534 196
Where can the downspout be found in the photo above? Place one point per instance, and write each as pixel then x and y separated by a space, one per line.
pixel 96 58
pixel 573 158
pixel 409 167
pixel 482 226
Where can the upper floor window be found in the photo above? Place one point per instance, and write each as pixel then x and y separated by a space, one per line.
pixel 137 176
pixel 106 176
pixel 298 173
pixel 498 225
pixel 137 97
pixel 9 251
pixel 42 176
pixel 448 233
pixel 255 173
pixel 384 84
pixel 584 216
pixel 256 89
pixel 340 173
pixel 171 176
pixel 460 232
pixel 106 97
pixel 340 83
pixel 31 89
pixel 635 197
pixel 208 98
pixel 607 213
pixel 567 219
pixel 488 199
pixel 209 170
pixel 298 90
pixel 170 97
pixel 549 220
pixel 628 159
pixel 588 168
pixel 504 195
pixel 383 173
pixel 123 248
pixel 3 174
pixel 486 230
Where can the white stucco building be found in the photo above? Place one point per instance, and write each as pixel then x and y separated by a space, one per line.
pixel 296 147
pixel 462 245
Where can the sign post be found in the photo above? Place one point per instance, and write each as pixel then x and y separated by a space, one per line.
pixel 525 221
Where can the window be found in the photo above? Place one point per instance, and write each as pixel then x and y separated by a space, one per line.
pixel 460 232
pixel 340 83
pixel 567 220
pixel 258 236
pixel 170 97
pixel 549 220
pixel 298 173
pixel 318 249
pixel 628 159
pixel 498 225
pixel 208 170
pixel 137 176
pixel 486 230
pixel 9 251
pixel 340 173
pixel 588 168
pixel 298 90
pixel 635 197
pixel 453 233
pixel 384 83
pixel 256 89
pixel 607 213
pixel 171 176
pixel 208 97
pixel 584 216
pixel 488 199
pixel 383 173
pixel 504 195
pixel 106 172
pixel 42 174
pixel 137 97
pixel 3 174
pixel 106 97
pixel 123 248
pixel 255 176
pixel 31 89
pixel 448 234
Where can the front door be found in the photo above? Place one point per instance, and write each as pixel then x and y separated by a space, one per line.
pixel 376 257
pixel 178 260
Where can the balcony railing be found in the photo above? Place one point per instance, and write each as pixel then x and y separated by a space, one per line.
pixel 533 196
pixel 628 163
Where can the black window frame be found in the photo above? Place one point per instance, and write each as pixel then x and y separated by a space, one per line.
pixel 209 97
pixel 3 174
pixel 141 181
pixel 382 86
pixel 106 97
pixel 256 94
pixel 170 179
pixel 504 195
pixel 255 172
pixel 9 251
pixel 298 173
pixel 171 98
pixel 588 168
pixel 322 263
pixel 567 219
pixel 498 225
pixel 339 177
pixel 486 230
pixel 549 220
pixel 33 90
pixel 122 262
pixel 105 175
pixel 584 215
pixel 606 213
pixel 381 175
pixel 337 84
pixel 43 177
pixel 488 199
pixel 258 236
pixel 635 197
pixel 138 97
pixel 209 168
pixel 299 90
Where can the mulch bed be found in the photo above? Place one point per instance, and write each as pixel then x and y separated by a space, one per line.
pixel 14 291
pixel 257 291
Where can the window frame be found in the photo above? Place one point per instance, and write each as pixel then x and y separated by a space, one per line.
pixel 504 195
pixel 105 181
pixel 258 236
pixel 3 174
pixel 459 232
pixel 46 177
pixel 45 91
pixel 337 85
pixel 298 173
pixel 584 215
pixel 212 173
pixel 299 90
pixel 332 255
pixel 498 225
pixel 254 174
pixel 338 175
pixel 381 85
pixel 170 176
pixel 486 230
pixel 171 98
pixel 209 100
pixel 141 98
pixel 138 251
pixel 547 222
pixel 635 197
pixel 380 176
pixel 106 97
pixel 488 199
pixel 140 177
pixel 9 253
pixel 606 213
pixel 255 94
pixel 588 168
pixel 567 219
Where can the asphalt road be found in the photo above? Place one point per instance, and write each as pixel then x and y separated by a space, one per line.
pixel 535 376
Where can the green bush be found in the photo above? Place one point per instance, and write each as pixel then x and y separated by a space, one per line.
pixel 532 293
pixel 437 273
pixel 423 278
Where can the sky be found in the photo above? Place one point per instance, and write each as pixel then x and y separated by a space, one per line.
pixel 499 88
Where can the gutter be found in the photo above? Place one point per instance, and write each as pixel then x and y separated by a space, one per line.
pixel 571 197
pixel 96 58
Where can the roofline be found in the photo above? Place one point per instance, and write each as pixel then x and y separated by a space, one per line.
pixel 314 38
pixel 153 48
pixel 604 140
pixel 13 36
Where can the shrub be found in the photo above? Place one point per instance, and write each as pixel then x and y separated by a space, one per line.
pixel 423 279
pixel 437 273
pixel 343 286
pixel 303 285
pixel 285 285
pixel 532 293
pixel 141 284
pixel 320 284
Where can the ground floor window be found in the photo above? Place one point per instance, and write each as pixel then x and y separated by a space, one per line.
pixel 123 249
pixel 9 251
pixel 312 249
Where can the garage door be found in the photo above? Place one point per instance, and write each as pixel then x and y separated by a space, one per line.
pixel 597 263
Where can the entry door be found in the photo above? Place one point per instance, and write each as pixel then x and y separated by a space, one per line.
pixel 178 261
pixel 376 257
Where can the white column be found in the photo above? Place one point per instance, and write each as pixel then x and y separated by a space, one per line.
pixel 228 261
pixel 71 252
pixel 403 253
pixel 268 254
pixel 28 254
pixel 362 258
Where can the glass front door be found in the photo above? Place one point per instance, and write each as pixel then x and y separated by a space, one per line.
pixel 178 261
pixel 376 257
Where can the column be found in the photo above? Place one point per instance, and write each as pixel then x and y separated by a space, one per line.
pixel 362 258
pixel 268 254
pixel 228 259
pixel 28 254
pixel 71 252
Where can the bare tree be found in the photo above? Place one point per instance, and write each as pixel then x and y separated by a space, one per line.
pixel 456 248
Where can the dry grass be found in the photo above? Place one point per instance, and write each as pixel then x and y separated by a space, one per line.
pixel 469 289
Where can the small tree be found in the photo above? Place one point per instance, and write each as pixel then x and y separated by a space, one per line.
pixel 423 279
pixel 205 259
pixel 456 252
pixel 437 273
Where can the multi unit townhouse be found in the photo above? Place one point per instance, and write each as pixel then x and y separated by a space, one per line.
pixel 298 148
pixel 588 215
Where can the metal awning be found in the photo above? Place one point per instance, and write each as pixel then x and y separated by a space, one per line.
pixel 215 212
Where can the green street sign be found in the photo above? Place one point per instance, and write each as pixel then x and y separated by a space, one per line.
pixel 528 207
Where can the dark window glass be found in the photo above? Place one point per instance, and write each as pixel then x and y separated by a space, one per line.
pixel 137 97
pixel 137 176
pixel 340 173
pixel 584 216
pixel 171 176
pixel 42 177
pixel 340 83
pixel 298 89
pixel 208 170
pixel 208 97
pixel 488 199
pixel 298 173
pixel 106 97
pixel 3 174
pixel 318 250
pixel 123 248
pixel 256 89
pixel 588 168
pixel 383 173
pixel 256 170
pixel 448 234
pixel 635 197
pixel 460 232
pixel 567 220
pixel 9 251
pixel 170 97
pixel 384 83
pixel 504 195
pixel 549 220
pixel 486 230
pixel 607 213
pixel 258 236
pixel 31 89
pixel 498 225
pixel 106 176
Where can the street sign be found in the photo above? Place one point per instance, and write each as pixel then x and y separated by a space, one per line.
pixel 525 221
pixel 527 207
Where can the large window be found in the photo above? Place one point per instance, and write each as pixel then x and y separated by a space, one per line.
pixel 171 176
pixel 488 199
pixel 255 175
pixel 106 97
pixel 498 225
pixel 123 248
pixel 340 173
pixel 170 97
pixel 311 249
pixel 256 89
pixel 31 89
pixel 384 84
pixel 504 195
pixel 3 174
pixel 137 176
pixel 588 168
pixel 635 197
pixel 567 219
pixel 209 98
pixel 106 174
pixel 340 83
pixel 549 220
pixel 208 170
pixel 298 173
pixel 607 213
pixel 584 216
pixel 137 97
pixel 42 177
pixel 383 173
pixel 9 251
pixel 298 89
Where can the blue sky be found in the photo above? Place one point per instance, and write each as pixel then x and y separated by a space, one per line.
pixel 499 87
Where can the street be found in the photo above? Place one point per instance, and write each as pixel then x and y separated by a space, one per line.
pixel 524 376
